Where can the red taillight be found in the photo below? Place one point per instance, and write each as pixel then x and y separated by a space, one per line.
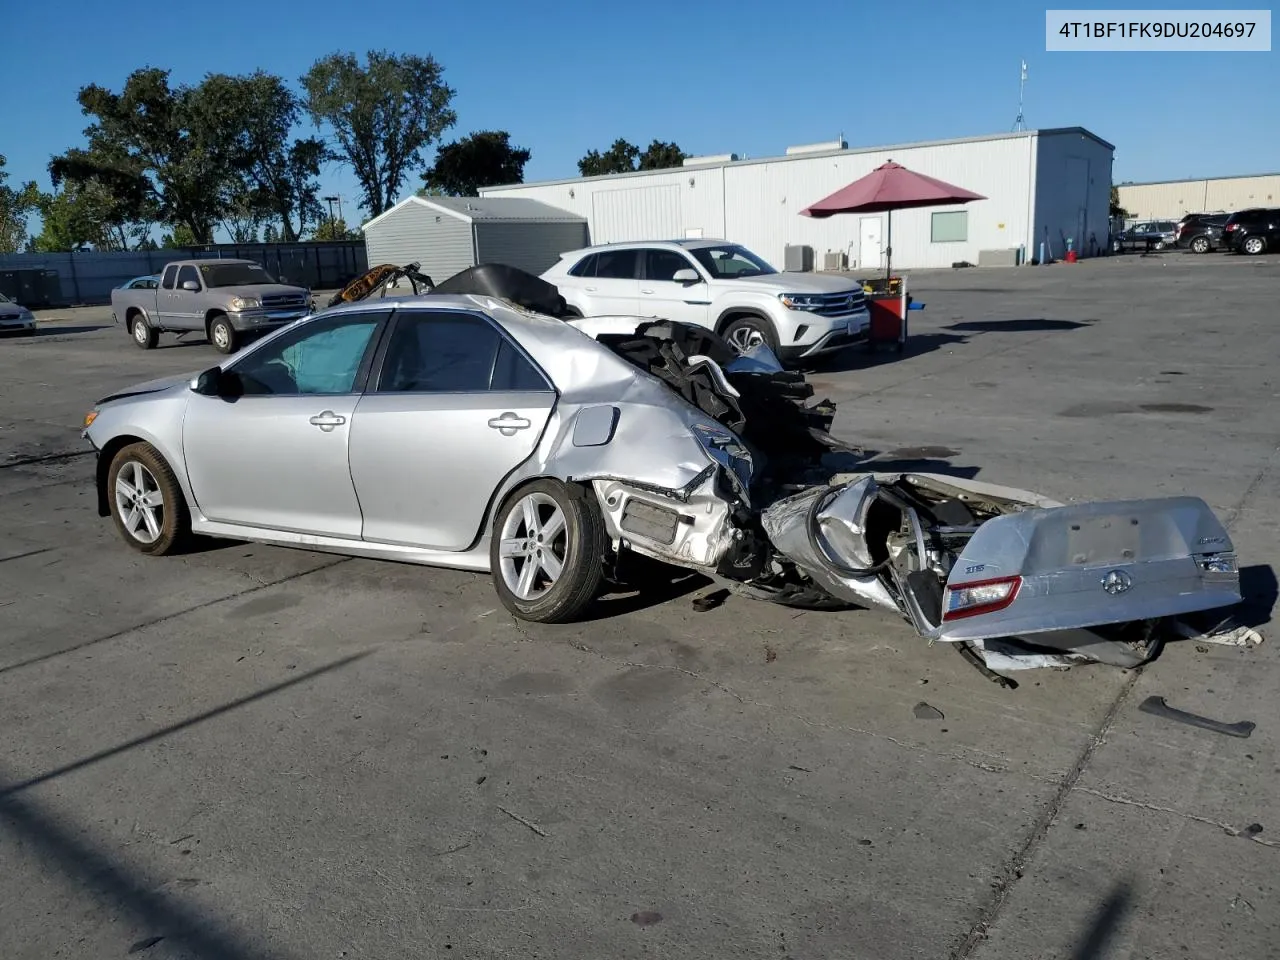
pixel 979 596
pixel 1230 226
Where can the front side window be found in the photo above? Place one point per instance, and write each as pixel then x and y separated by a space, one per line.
pixel 321 357
pixel 662 265
pixel 234 274
pixel 187 273
pixel 731 261
pixel 437 352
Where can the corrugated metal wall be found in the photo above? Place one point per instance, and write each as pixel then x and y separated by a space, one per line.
pixel 1073 195
pixel 441 244
pixel 644 212
pixel 1169 201
pixel 530 246
pixel 88 278
pixel 758 204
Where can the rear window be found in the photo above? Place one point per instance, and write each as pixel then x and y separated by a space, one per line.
pixel 586 267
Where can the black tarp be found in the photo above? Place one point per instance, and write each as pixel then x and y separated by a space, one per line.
pixel 507 283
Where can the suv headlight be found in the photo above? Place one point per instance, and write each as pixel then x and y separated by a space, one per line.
pixel 722 446
pixel 798 301
pixel 245 303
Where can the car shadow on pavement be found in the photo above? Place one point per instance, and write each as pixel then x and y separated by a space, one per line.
pixel 1027 325
pixel 1260 589
pixel 861 356
pixel 42 331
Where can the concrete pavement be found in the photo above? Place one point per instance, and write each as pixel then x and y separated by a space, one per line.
pixel 252 752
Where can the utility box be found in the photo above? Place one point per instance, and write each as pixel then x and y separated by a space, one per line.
pixel 835 260
pixel 33 288
pixel 798 258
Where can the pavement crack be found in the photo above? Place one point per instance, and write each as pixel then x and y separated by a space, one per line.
pixel 1252 489
pixel 1157 808
pixel 1013 870
pixel 46 458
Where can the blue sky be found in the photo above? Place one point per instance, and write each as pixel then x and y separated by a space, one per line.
pixel 748 77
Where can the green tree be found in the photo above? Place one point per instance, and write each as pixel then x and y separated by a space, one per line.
pixel 659 156
pixel 334 228
pixel 274 177
pixel 620 158
pixel 271 234
pixel 383 114
pixel 150 144
pixel 86 213
pixel 15 205
pixel 483 159
pixel 182 236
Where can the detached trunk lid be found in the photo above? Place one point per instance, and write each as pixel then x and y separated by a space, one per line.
pixel 1081 566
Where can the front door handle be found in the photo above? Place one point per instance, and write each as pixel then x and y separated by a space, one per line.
pixel 327 420
pixel 509 423
pixel 646 291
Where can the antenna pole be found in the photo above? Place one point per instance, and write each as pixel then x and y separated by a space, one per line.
pixel 1019 123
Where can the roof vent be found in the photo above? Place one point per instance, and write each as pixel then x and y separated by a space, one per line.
pixel 818 147
pixel 717 158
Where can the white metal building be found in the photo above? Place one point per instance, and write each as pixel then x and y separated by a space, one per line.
pixel 448 234
pixel 1170 199
pixel 1043 186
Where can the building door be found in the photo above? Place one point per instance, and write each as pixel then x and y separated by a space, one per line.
pixel 869 249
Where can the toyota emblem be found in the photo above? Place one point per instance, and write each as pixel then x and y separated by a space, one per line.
pixel 1117 582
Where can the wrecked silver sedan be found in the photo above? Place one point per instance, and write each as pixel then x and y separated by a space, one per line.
pixel 478 427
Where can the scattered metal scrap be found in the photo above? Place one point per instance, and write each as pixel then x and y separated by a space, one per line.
pixel 1157 707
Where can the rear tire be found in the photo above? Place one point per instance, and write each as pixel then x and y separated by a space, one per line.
pixel 547 551
pixel 749 331
pixel 146 501
pixel 222 335
pixel 1253 245
pixel 1200 245
pixel 144 335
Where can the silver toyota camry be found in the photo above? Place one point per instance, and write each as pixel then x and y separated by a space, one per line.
pixel 478 427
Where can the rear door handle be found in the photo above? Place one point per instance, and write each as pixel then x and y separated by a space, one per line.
pixel 509 423
pixel 327 420
pixel 589 289
pixel 646 291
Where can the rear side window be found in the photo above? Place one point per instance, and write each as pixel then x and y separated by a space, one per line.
pixel 586 267
pixel 170 273
pixel 617 264
pixel 441 352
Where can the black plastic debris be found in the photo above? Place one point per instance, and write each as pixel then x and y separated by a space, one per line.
pixel 709 600
pixel 1157 707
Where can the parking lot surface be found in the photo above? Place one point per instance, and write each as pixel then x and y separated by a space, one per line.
pixel 256 752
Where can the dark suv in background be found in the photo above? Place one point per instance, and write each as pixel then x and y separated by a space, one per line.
pixel 1201 232
pixel 1146 235
pixel 1252 231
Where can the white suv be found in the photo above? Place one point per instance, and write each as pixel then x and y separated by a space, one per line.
pixel 719 285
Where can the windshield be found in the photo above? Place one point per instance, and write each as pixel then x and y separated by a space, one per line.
pixel 4 299
pixel 731 261
pixel 234 274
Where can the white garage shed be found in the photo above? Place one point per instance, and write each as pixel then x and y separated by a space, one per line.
pixel 1043 186
pixel 448 234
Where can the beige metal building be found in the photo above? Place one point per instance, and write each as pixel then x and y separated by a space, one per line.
pixel 1170 199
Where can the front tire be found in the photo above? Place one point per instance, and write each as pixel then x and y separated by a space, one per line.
pixel 1253 245
pixel 547 552
pixel 222 335
pixel 146 501
pixel 144 335
pixel 747 332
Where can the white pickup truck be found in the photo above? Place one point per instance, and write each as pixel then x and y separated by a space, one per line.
pixel 226 300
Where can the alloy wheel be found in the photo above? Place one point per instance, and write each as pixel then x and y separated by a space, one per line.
pixel 140 331
pixel 533 545
pixel 221 336
pixel 743 338
pixel 140 502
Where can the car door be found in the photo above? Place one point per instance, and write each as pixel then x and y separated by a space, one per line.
pixel 615 287
pixel 273 453
pixel 186 311
pixel 455 407
pixel 165 297
pixel 661 296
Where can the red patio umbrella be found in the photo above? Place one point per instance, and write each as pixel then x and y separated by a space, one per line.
pixel 889 187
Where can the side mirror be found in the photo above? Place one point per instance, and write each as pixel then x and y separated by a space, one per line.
pixel 190 285
pixel 687 275
pixel 209 383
